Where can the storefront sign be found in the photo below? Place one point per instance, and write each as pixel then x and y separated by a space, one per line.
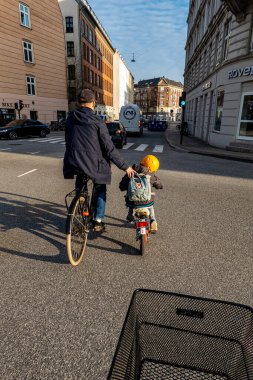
pixel 12 105
pixel 207 85
pixel 243 71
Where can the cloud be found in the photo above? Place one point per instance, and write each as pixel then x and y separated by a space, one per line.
pixel 154 30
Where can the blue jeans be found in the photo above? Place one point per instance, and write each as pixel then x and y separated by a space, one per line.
pixel 100 201
pixel 100 196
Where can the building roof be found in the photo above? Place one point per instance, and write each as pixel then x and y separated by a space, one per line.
pixel 155 82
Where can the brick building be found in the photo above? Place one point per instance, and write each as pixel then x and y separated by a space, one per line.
pixel 158 96
pixel 89 54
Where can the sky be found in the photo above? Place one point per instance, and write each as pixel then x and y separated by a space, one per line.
pixel 154 30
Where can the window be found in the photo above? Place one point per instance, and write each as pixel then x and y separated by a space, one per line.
pixel 216 60
pixel 69 24
pixel 70 49
pixel 246 116
pixel 91 57
pixel 28 51
pixel 219 109
pixel 86 30
pixel 251 42
pixel 227 31
pixel 30 85
pixel 24 15
pixel 90 36
pixel 72 94
pixel 98 63
pixel 71 72
pixel 84 51
pixel 82 27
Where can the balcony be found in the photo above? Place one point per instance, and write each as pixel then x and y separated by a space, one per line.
pixel 237 7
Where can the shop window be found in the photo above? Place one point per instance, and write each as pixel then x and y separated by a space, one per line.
pixel 69 24
pixel 219 110
pixel 70 49
pixel 33 115
pixel 71 72
pixel 24 15
pixel 31 85
pixel 28 51
pixel 246 116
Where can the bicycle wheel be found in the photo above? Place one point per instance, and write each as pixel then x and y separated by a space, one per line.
pixel 143 242
pixel 76 231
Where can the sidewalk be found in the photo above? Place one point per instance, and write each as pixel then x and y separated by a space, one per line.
pixel 194 145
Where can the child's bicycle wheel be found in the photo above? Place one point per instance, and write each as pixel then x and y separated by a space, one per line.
pixel 143 244
pixel 176 337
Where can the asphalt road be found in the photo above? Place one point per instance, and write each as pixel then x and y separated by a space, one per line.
pixel 60 322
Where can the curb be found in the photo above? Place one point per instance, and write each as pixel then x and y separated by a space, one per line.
pixel 210 154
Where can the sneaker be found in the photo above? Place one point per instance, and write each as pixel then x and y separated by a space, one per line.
pixel 153 227
pixel 130 219
pixel 98 226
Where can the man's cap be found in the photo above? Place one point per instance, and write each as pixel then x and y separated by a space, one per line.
pixel 86 96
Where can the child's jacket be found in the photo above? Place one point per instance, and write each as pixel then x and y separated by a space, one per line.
pixel 154 181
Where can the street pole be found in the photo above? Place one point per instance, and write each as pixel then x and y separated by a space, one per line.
pixel 182 126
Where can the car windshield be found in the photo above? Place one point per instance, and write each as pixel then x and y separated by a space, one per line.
pixel 15 123
pixel 113 126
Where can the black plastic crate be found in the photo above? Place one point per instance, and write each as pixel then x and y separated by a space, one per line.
pixel 169 336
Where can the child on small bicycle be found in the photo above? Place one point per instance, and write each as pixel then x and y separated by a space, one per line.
pixel 147 167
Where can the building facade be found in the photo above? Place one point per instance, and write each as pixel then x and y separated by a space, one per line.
pixel 158 96
pixel 123 84
pixel 219 72
pixel 89 55
pixel 32 61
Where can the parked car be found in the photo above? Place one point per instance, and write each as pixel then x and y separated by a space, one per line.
pixel 24 128
pixel 117 133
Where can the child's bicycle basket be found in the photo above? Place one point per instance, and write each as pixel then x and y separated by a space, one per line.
pixel 168 336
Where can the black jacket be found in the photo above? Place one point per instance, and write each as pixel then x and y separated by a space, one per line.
pixel 89 147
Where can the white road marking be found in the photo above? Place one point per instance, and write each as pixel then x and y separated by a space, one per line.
pixel 32 152
pixel 128 145
pixel 39 139
pixel 55 142
pixel 31 171
pixel 142 147
pixel 5 149
pixel 62 143
pixel 49 140
pixel 158 149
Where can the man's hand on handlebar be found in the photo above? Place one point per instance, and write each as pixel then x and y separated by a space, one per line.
pixel 130 172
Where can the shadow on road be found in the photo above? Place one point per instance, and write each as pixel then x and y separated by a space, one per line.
pixel 46 220
pixel 43 219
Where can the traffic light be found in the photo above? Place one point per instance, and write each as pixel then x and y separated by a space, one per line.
pixel 16 106
pixel 21 104
pixel 182 100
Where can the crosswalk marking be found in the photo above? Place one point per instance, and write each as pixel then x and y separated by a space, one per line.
pixel 141 147
pixel 5 149
pixel 38 140
pixel 58 140
pixel 55 142
pixel 158 149
pixel 128 145
pixel 62 143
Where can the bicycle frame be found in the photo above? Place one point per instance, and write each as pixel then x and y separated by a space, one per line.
pixel 87 206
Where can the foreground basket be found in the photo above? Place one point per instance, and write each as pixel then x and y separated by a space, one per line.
pixel 169 336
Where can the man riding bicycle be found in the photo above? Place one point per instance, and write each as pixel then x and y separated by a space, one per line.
pixel 89 152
